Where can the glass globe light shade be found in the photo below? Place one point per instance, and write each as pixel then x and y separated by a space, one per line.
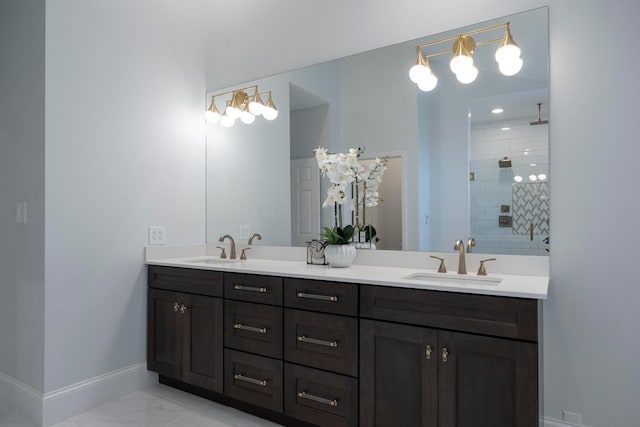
pixel 212 116
pixel 256 108
pixel 227 121
pixel 542 176
pixel 533 178
pixel 511 67
pixel 468 76
pixel 232 112
pixel 269 113
pixel 517 178
pixel 418 73
pixel 460 63
pixel 428 83
pixel 247 118
pixel 507 52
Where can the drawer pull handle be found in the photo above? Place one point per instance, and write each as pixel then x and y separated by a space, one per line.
pixel 176 307
pixel 183 308
pixel 249 328
pixel 316 296
pixel 241 377
pixel 445 354
pixel 428 352
pixel 261 290
pixel 306 395
pixel 305 338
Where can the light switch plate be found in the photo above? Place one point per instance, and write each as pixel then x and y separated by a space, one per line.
pixel 21 213
pixel 244 231
pixel 157 235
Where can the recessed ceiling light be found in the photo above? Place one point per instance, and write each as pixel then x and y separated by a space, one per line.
pixel 497 110
pixel 532 164
pixel 505 128
pixel 517 178
pixel 533 178
pixel 542 177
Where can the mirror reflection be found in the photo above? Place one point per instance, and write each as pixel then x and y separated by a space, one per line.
pixel 456 170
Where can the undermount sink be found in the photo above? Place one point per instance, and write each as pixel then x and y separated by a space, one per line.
pixel 458 279
pixel 209 260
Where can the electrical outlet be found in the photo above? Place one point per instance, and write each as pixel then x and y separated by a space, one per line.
pixel 21 213
pixel 157 235
pixel 572 417
pixel 244 231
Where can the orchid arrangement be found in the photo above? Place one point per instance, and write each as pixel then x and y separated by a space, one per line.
pixel 343 169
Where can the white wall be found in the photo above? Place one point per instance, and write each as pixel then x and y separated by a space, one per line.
pixel 125 85
pixel 22 179
pixel 590 360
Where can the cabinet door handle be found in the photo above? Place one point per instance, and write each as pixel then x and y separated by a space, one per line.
pixel 176 307
pixel 428 352
pixel 317 296
pixel 183 308
pixel 305 395
pixel 305 338
pixel 249 328
pixel 445 354
pixel 240 377
pixel 261 290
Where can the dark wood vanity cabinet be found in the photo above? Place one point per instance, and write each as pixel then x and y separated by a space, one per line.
pixel 184 330
pixel 308 352
pixel 423 376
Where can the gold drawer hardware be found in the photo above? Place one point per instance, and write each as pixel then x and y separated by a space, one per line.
pixel 316 296
pixel 428 352
pixel 241 377
pixel 445 354
pixel 183 308
pixel 304 338
pixel 176 307
pixel 262 290
pixel 305 395
pixel 249 328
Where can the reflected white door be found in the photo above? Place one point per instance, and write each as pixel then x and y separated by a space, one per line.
pixel 305 201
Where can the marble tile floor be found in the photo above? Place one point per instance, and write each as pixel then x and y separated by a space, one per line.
pixel 156 406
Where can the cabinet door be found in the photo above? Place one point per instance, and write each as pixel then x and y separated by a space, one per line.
pixel 486 382
pixel 202 327
pixel 164 343
pixel 398 375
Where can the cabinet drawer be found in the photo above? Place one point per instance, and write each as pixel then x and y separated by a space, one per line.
pixel 203 282
pixel 253 288
pixel 322 341
pixel 255 328
pixel 319 397
pixel 482 314
pixel 253 379
pixel 328 297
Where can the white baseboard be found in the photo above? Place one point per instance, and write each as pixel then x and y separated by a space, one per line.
pixel 55 406
pixel 21 398
pixel 77 398
pixel 551 422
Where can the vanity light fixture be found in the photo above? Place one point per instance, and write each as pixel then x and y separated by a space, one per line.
pixel 241 106
pixel 507 55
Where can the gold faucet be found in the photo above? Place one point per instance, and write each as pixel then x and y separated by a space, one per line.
pixel 462 266
pixel 255 235
pixel 232 250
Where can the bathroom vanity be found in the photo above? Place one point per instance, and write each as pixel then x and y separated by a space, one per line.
pixel 366 345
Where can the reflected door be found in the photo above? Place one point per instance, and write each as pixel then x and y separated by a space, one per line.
pixel 305 201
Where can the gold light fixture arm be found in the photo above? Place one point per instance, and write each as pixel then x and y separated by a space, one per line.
pixel 468 33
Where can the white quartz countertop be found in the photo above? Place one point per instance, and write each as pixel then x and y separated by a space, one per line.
pixel 509 285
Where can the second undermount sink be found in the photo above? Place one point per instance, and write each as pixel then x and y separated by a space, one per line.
pixel 210 260
pixel 458 279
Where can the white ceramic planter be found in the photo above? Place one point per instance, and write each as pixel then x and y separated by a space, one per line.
pixel 340 255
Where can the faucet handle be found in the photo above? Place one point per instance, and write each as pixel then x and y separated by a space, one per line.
pixel 442 268
pixel 470 244
pixel 244 255
pixel 224 252
pixel 482 271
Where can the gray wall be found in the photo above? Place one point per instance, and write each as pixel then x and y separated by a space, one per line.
pixel 124 150
pixel 591 315
pixel 22 68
